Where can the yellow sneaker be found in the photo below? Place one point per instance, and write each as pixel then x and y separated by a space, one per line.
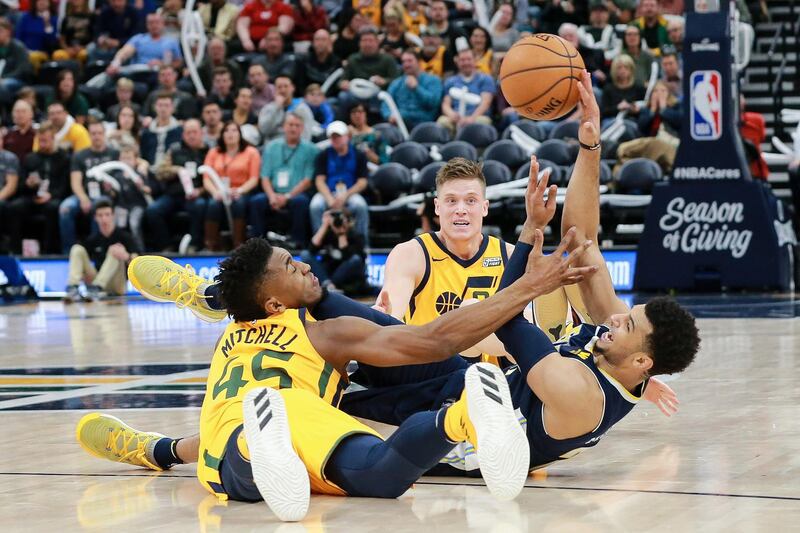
pixel 108 437
pixel 162 280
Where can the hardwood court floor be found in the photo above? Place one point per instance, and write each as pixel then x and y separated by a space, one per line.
pixel 727 461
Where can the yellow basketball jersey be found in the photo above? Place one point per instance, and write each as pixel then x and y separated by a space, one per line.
pixel 449 280
pixel 275 353
pixel 434 65
pixel 412 23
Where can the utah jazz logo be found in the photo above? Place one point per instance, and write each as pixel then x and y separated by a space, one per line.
pixel 447 301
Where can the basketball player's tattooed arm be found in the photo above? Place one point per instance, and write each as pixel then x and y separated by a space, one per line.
pixel 582 211
pixel 343 339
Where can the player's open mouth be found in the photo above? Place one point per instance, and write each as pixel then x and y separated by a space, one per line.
pixel 607 336
pixel 314 280
pixel 461 223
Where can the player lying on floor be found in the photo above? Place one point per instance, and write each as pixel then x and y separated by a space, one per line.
pixel 259 442
pixel 609 372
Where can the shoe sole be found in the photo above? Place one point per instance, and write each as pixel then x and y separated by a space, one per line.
pixel 503 451
pixel 150 296
pixel 280 475
pixel 94 416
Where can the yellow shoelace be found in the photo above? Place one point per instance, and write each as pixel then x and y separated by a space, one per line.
pixel 188 297
pixel 125 455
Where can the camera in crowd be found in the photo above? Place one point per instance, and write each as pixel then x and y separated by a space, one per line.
pixel 339 218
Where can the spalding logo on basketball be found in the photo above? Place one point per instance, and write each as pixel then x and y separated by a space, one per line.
pixel 540 76
pixel 447 301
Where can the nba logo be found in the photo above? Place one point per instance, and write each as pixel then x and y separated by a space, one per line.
pixel 706 105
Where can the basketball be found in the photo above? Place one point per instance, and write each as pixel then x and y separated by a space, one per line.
pixel 540 76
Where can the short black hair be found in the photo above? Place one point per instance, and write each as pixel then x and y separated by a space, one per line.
pixel 240 277
pixel 674 340
pixel 101 204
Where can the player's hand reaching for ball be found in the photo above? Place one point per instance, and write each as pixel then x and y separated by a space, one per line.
pixel 545 273
pixel 590 116
pixel 538 210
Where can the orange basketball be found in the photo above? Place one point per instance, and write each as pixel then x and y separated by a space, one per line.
pixel 540 76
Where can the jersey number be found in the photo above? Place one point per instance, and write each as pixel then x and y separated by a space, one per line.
pixel 478 282
pixel 235 380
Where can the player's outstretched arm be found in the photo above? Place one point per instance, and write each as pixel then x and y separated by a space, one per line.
pixel 582 210
pixel 405 266
pixel 343 339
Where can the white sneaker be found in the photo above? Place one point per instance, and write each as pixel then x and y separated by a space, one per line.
pixel 503 451
pixel 280 475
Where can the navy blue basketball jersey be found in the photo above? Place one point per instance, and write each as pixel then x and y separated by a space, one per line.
pixel 576 343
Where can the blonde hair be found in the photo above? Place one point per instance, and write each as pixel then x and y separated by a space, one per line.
pixel 671 99
pixel 623 60
pixel 459 168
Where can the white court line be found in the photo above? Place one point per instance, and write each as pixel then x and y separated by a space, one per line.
pixel 100 389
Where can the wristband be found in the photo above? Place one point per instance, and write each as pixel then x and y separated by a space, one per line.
pixel 590 148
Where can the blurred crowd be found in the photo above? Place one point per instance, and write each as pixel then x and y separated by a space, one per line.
pixel 291 140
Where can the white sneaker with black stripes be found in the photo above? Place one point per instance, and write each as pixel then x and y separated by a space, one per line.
pixel 503 452
pixel 280 475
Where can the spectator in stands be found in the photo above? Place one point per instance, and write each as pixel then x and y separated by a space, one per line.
pixel 365 138
pixel 753 129
pixel 623 92
pixel 557 12
pixel 593 59
pixel 433 56
pixel 502 30
pixel 19 139
pixel 634 47
pixel 27 94
pixel 272 115
pixel 243 108
pixel 350 24
pixel 287 168
pixel 17 69
pixel 70 135
pixel 9 181
pixel 182 189
pixel 237 164
pixel 262 90
pixel 110 247
pixel 152 48
pixel 341 175
pixel 342 266
pixel 75 33
pixel 411 13
pixel 126 129
pixel 653 25
pixel 418 95
pixel 475 83
pixel 217 57
pixel 116 24
pixel 46 184
pixel 481 44
pixel 599 34
pixel 671 74
pixel 438 22
pixel 794 179
pixel 622 11
pixel 37 29
pixel 668 7
pixel 660 124
pixel 67 93
pixel 182 102
pixel 320 108
pixel 369 63
pixel 219 18
pixel 162 131
pixel 308 19
pixel 124 94
pixel 84 190
pixel 275 60
pixel 257 17
pixel 394 39
pixel 212 123
pixel 135 192
pixel 172 12
pixel 319 63
pixel 222 89
pixel 371 10
pixel 675 32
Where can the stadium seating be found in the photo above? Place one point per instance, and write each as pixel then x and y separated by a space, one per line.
pixel 507 152
pixel 430 133
pixel 411 155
